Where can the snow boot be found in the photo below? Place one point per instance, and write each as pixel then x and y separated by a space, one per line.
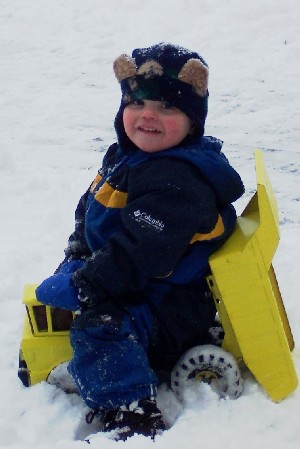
pixel 141 417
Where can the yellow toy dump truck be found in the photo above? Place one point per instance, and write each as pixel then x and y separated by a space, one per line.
pixel 249 304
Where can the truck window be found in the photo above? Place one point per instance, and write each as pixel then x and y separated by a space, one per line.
pixel 61 319
pixel 40 318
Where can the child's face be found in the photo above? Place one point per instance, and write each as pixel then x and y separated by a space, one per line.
pixel 155 126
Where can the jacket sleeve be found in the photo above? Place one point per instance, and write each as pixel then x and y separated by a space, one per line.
pixel 167 204
pixel 77 245
pixel 77 248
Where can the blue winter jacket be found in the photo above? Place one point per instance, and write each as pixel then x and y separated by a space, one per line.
pixel 147 222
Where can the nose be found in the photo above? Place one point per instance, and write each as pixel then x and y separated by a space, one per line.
pixel 148 112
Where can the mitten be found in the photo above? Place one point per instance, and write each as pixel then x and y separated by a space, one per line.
pixel 59 290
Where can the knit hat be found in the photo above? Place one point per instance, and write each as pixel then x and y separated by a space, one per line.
pixel 163 72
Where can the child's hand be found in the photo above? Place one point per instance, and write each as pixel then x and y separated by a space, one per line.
pixel 59 290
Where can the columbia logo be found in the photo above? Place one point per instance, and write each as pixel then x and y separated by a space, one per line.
pixel 146 219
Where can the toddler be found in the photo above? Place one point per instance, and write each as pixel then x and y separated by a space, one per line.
pixel 136 263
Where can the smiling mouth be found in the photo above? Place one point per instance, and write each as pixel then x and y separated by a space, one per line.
pixel 149 130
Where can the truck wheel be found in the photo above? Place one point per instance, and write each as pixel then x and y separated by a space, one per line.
pixel 210 364
pixel 23 372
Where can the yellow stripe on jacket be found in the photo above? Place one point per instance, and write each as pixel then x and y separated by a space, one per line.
pixel 216 232
pixel 95 182
pixel 110 197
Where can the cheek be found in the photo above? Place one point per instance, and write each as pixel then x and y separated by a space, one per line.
pixel 125 119
pixel 128 119
pixel 177 127
pixel 172 125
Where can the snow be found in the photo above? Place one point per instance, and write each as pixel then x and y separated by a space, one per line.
pixel 58 101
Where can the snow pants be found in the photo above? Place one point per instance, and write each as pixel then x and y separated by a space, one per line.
pixel 118 349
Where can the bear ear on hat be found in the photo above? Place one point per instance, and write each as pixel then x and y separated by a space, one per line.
pixel 124 67
pixel 195 73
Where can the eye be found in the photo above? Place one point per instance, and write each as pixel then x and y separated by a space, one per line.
pixel 166 105
pixel 136 103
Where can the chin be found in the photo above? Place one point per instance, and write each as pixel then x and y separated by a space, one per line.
pixel 151 150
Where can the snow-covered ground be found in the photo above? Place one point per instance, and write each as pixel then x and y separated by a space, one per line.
pixel 58 101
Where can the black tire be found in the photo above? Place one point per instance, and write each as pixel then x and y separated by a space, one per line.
pixel 210 364
pixel 23 372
